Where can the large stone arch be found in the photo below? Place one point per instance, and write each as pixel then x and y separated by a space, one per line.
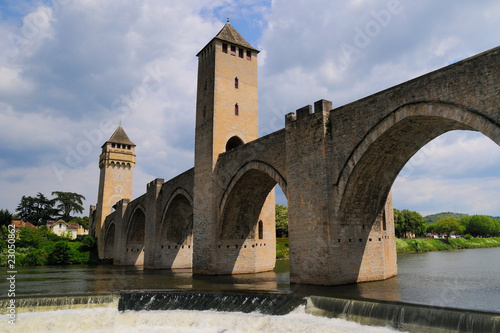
pixel 175 242
pixel 246 234
pixel 363 226
pixel 367 176
pixel 135 237
pixel 109 241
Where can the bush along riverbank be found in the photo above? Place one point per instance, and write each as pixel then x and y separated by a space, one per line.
pixel 414 245
pixel 404 245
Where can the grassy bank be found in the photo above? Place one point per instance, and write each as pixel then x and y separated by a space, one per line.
pixel 429 244
pixel 414 245
pixel 282 248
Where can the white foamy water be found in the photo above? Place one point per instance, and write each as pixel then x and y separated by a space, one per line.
pixel 111 320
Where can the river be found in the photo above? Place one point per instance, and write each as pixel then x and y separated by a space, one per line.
pixel 466 279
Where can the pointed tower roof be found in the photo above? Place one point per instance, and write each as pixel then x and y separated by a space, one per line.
pixel 229 34
pixel 119 136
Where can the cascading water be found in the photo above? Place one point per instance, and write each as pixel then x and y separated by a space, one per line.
pixel 404 316
pixel 193 311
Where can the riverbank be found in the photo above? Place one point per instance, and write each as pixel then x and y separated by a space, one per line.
pixel 414 245
pixel 431 244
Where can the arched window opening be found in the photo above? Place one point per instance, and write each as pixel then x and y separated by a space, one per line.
pixel 236 82
pixel 236 110
pixel 261 230
pixel 234 142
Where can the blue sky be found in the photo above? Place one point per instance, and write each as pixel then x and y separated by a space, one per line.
pixel 71 70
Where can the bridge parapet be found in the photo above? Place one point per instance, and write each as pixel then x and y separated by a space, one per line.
pixel 320 106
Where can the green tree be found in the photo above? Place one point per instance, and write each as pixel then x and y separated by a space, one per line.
pixel 61 255
pixel 87 244
pixel 448 225
pixel 481 225
pixel 431 228
pixel 281 220
pixel 34 258
pixel 83 221
pixel 29 237
pixel 407 221
pixel 399 224
pixel 68 202
pixel 37 210
pixel 5 217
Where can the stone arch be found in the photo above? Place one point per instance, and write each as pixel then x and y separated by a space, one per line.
pixel 109 241
pixel 247 229
pixel 234 142
pixel 136 231
pixel 175 242
pixel 367 177
pixel 177 220
pixel 264 169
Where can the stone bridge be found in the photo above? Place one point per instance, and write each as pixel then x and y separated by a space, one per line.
pixel 336 168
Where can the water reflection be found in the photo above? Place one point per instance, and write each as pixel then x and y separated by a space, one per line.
pixel 466 279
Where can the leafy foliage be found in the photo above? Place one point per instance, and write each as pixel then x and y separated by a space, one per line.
pixel 61 255
pixel 83 221
pixel 68 202
pixel 481 225
pixel 406 222
pixel 36 210
pixel 281 221
pixel 34 258
pixel 446 225
pixel 5 217
pixel 88 244
pixel 39 209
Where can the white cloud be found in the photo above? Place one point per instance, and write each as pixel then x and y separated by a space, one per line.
pixel 84 58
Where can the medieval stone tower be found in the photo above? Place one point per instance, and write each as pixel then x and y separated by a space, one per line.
pixel 117 162
pixel 226 117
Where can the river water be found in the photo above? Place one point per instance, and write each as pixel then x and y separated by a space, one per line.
pixel 467 279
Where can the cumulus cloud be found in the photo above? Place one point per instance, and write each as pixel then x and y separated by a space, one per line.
pixel 70 71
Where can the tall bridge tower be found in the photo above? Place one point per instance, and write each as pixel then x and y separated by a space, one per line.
pixel 226 117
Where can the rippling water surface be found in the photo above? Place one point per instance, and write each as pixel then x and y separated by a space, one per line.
pixel 465 278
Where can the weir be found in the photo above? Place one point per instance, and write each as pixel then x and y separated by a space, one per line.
pixel 399 315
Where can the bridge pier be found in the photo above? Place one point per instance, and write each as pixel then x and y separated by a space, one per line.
pixel 152 191
pixel 325 247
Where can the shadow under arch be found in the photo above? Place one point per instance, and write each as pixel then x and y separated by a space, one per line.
pixel 109 241
pixel 136 231
pixel 174 246
pixel 247 227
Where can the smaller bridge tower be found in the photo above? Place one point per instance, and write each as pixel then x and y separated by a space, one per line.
pixel 117 162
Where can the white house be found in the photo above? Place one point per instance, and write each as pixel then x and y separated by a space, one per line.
pixel 60 227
